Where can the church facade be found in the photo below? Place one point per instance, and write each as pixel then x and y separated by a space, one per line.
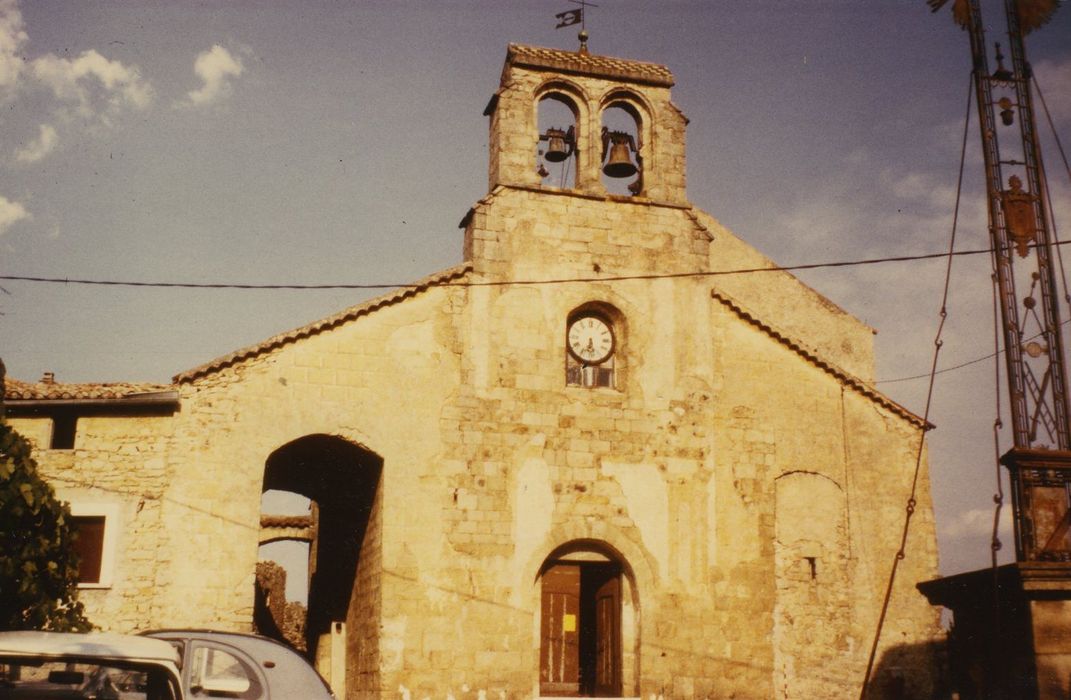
pixel 575 464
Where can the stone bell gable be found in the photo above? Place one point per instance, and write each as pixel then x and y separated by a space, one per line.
pixel 531 227
pixel 578 463
pixel 587 85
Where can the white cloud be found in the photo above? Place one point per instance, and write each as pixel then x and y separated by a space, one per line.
pixel 978 522
pixel 921 189
pixel 92 77
pixel 12 36
pixel 39 148
pixel 89 89
pixel 215 68
pixel 10 213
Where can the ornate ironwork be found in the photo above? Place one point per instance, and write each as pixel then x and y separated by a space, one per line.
pixel 1022 259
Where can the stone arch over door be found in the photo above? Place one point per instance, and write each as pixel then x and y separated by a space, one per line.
pixel 588 620
pixel 342 479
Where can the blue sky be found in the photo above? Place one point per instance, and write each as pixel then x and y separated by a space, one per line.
pixel 342 142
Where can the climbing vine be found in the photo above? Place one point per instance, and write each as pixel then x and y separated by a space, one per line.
pixel 38 565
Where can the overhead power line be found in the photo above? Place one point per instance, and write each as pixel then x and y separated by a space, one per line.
pixel 938 342
pixel 503 283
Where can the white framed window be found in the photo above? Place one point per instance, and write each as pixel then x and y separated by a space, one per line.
pixel 98 535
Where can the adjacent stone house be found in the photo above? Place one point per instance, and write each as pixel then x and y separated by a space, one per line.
pixel 576 463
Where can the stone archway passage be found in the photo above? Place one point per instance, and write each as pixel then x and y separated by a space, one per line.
pixel 580 631
pixel 342 480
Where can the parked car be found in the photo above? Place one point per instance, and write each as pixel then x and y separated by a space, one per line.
pixel 229 664
pixel 55 665
pixel 158 665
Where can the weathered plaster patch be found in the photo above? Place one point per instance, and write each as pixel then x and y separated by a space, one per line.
pixel 392 643
pixel 648 505
pixel 533 501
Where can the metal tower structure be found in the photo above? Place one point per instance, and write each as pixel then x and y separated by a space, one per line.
pixel 1011 636
pixel 1039 464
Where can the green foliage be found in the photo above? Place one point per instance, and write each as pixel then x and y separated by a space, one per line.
pixel 38 567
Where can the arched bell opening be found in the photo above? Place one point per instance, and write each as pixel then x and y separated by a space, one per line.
pixel 588 623
pixel 557 153
pixel 622 148
pixel 341 523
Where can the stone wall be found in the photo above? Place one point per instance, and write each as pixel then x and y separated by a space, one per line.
pixel 363 626
pixel 119 467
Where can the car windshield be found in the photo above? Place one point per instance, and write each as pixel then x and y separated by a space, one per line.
pixel 27 679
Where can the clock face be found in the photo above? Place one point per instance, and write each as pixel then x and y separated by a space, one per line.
pixel 591 340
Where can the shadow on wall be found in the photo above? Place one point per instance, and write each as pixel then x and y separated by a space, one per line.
pixel 911 672
pixel 341 479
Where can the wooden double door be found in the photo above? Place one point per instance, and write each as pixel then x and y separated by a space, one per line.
pixel 580 650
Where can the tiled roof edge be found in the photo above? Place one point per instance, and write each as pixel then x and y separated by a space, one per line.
pixel 589 64
pixel 815 359
pixel 699 225
pixel 277 341
pixel 15 391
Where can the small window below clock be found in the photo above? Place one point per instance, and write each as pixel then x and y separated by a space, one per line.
pixel 590 348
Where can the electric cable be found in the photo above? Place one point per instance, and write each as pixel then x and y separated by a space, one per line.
pixel 968 363
pixel 504 283
pixel 1055 135
pixel 995 544
pixel 912 502
pixel 998 498
pixel 307 287
pixel 1048 193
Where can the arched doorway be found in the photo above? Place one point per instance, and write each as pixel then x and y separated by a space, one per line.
pixel 341 479
pixel 585 588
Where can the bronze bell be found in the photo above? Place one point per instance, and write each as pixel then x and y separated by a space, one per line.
pixel 619 164
pixel 557 146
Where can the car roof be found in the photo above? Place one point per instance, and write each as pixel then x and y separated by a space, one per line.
pixel 289 673
pixel 88 645
pixel 254 644
pixel 250 643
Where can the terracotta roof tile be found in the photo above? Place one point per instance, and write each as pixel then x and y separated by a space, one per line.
pixel 286 521
pixel 453 274
pixel 815 358
pixel 15 390
pixel 575 62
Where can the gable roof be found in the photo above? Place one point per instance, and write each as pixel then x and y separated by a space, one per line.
pixel 815 359
pixel 56 392
pixel 450 275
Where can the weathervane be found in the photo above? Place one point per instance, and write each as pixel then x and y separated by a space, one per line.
pixel 577 16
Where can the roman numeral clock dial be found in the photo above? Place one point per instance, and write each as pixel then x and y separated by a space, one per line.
pixel 591 341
